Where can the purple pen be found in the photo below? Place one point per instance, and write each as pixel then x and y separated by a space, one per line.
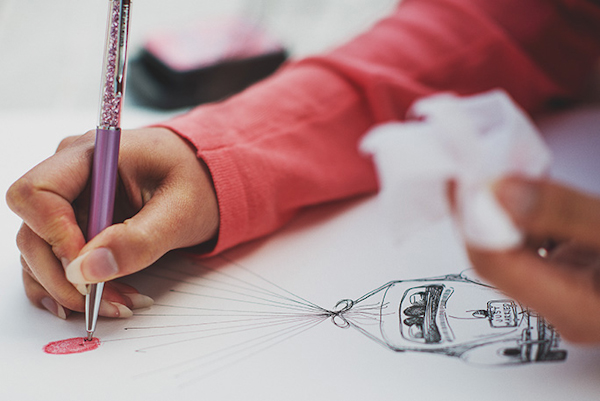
pixel 108 135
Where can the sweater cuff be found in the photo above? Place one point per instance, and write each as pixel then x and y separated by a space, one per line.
pixel 227 184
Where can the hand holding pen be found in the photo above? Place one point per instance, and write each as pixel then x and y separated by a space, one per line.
pixel 156 210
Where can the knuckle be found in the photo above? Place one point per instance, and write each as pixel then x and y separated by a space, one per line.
pixel 31 287
pixel 66 142
pixel 19 194
pixel 71 300
pixel 135 246
pixel 85 141
pixel 141 237
pixel 26 267
pixel 569 212
pixel 24 240
pixel 58 228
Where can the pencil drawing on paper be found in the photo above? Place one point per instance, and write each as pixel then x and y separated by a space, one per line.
pixel 212 317
pixel 455 316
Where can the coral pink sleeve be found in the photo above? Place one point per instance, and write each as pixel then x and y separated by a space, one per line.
pixel 291 140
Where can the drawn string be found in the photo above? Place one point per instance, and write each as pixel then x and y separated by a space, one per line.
pixel 260 310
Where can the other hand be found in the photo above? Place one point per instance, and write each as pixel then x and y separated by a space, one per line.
pixel 564 285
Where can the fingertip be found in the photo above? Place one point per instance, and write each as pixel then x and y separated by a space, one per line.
pixel 18 194
pixel 127 295
pixel 54 308
pixel 518 196
pixel 114 310
pixel 81 288
pixel 40 297
pixel 123 311
pixel 140 301
pixel 123 288
pixel 93 266
pixel 74 274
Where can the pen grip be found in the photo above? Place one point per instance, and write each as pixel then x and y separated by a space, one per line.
pixel 104 180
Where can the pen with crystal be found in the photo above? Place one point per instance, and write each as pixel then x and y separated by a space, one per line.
pixel 108 135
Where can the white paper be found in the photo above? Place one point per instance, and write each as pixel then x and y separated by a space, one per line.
pixel 472 141
pixel 328 254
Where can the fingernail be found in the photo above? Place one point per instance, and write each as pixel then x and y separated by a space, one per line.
pixel 114 309
pixel 518 197
pixel 92 267
pixel 82 288
pixel 139 300
pixel 54 307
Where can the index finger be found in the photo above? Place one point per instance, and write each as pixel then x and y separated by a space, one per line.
pixel 43 197
pixel 547 209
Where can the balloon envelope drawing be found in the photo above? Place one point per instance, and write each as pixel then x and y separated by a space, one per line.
pixel 453 315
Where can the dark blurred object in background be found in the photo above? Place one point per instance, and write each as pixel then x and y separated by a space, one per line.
pixel 203 63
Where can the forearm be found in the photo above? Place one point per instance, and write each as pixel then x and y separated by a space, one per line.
pixel 279 147
pixel 537 50
pixel 291 141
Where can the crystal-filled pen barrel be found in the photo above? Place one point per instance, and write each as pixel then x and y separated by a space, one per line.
pixel 108 134
pixel 115 63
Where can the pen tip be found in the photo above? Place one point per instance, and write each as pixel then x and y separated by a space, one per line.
pixel 90 336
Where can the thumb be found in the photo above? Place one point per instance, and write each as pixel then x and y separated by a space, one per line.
pixel 163 224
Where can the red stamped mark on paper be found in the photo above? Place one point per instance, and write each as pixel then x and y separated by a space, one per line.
pixel 71 346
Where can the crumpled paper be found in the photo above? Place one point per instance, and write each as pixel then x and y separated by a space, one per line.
pixel 473 141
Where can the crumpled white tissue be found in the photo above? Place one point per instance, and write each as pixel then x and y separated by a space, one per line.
pixel 473 141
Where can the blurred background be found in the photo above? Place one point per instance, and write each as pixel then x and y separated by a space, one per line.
pixel 51 51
